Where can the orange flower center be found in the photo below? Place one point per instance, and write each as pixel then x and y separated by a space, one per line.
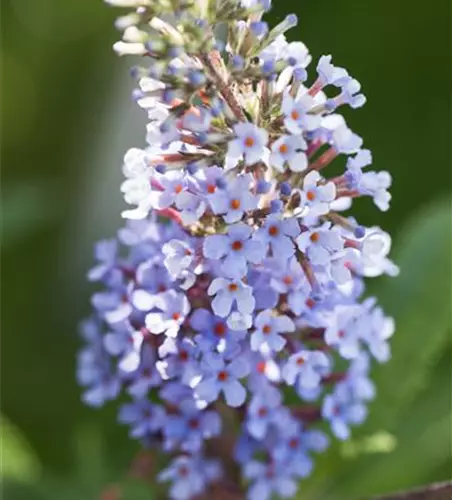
pixel 237 245
pixel 283 149
pixel 233 287
pixel 219 329
pixel 235 204
pixel 176 316
pixel 178 188
pixel 263 412
pixel 222 376
pixel 314 237
pixel 267 329
pixel 261 367
pixel 273 230
pixel 287 280
pixel 211 188
pixel 293 443
pixel 193 423
pixel 310 303
pixel 183 471
pixel 300 361
pixel 310 195
pixel 249 142
pixel 295 115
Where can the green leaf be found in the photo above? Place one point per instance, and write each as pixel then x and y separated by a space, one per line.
pixel 420 301
pixel 133 489
pixel 19 461
pixel 26 208
pixel 423 444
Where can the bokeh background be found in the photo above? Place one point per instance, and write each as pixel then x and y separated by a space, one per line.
pixel 67 120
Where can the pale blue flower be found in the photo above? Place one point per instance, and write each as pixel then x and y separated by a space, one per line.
pixel 235 249
pixel 250 144
pixel 221 377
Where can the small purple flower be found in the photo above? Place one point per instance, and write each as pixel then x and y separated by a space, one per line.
pixel 268 329
pixel 269 479
pixel 319 243
pixel 106 388
pixel 328 73
pixel 209 180
pixel 340 136
pixel 106 254
pixel 190 427
pixel 174 309
pixel 126 343
pixel 222 377
pixel 179 360
pixel 306 369
pixel 316 197
pixel 113 305
pixel 289 149
pixel 198 122
pixel 350 93
pixel 173 184
pixel 214 332
pixel 342 411
pixel 287 277
pixel 189 476
pixel 190 206
pixel 296 117
pixel 94 369
pixel 376 330
pixel 146 376
pixel 179 256
pixel 144 417
pixel 297 55
pixel 263 411
pixel 235 249
pixel 277 234
pixel 234 201
pixel 250 144
pixel 341 266
pixel 357 380
pixel 343 334
pixel 229 292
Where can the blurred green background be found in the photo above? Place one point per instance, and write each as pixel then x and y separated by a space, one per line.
pixel 67 120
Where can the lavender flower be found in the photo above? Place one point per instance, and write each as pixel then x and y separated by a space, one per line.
pixel 236 280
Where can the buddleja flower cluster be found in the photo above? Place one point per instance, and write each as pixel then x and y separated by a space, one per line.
pixel 231 308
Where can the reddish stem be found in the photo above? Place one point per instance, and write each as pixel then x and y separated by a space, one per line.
pixel 308 414
pixel 334 377
pixel 315 88
pixel 172 214
pixel 324 160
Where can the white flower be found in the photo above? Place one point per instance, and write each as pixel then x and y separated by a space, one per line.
pixel 250 143
pixel 227 292
pixel 315 197
pixel 296 117
pixel 124 48
pixel 289 149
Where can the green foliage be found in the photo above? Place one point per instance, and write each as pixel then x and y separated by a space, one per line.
pixel 25 209
pixel 136 490
pixel 420 301
pixel 19 462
